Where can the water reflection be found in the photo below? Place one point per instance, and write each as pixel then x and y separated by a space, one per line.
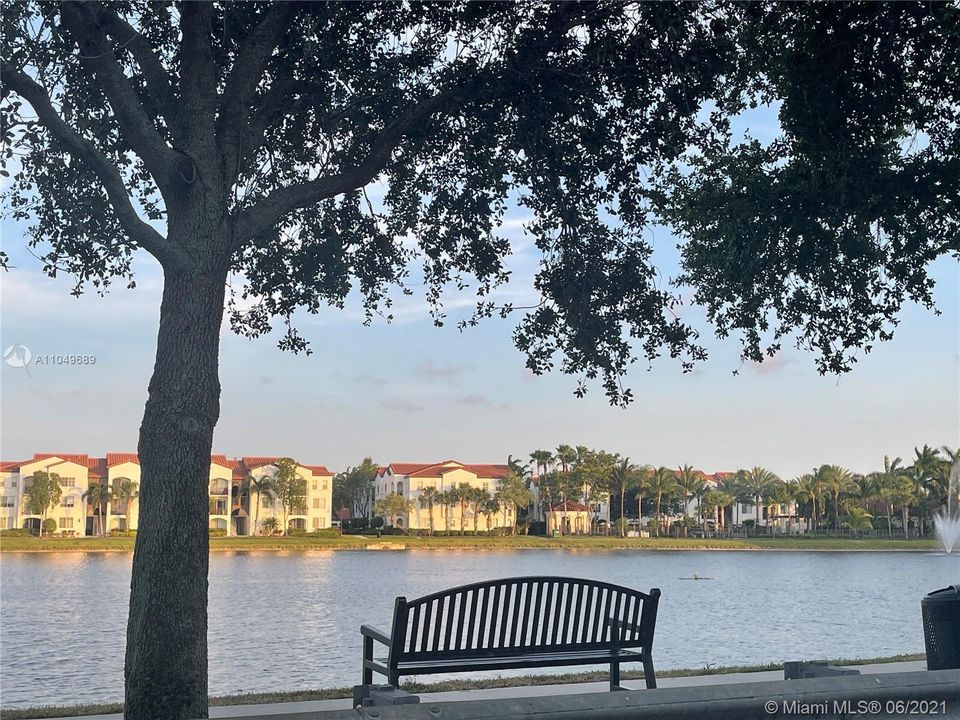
pixel 290 620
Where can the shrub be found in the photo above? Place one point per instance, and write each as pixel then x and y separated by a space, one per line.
pixel 377 522
pixel 126 533
pixel 15 532
pixel 218 532
pixel 360 523
pixel 296 532
pixel 325 533
pixel 538 527
pixel 49 525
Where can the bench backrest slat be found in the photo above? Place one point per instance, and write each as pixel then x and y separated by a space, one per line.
pixel 502 617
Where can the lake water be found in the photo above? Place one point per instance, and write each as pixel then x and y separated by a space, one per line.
pixel 284 621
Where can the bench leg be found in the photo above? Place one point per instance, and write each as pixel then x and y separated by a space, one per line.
pixel 367 655
pixel 648 673
pixel 614 676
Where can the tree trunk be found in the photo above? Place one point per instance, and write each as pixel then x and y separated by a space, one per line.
pixel 166 655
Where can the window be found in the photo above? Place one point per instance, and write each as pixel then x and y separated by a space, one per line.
pixel 324 487
pixel 323 503
pixel 13 483
pixel 316 503
pixel 68 501
pixel 8 501
pixel 315 483
pixel 68 482
pixel 66 523
pixel 316 523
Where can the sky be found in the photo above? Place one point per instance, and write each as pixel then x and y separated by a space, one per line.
pixel 408 391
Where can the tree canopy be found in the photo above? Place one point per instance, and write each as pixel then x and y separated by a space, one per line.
pixel 600 118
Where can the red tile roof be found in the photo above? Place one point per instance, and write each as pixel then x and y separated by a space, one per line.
pixel 437 469
pixel 408 468
pixel 120 458
pixel 6 465
pixel 255 461
pixel 67 457
pixel 318 470
pixel 220 460
pixel 569 506
pixel 491 471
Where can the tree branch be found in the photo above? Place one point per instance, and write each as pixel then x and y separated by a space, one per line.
pixel 158 80
pixel 268 211
pixel 106 172
pixel 97 54
pixel 244 78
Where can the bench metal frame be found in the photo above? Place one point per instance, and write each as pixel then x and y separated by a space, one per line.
pixel 516 623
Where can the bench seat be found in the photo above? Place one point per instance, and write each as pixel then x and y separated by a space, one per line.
pixel 516 623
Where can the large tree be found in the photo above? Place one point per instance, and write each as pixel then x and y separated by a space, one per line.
pixel 351 488
pixel 234 143
pixel 43 493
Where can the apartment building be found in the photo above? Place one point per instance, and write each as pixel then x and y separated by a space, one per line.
pixel 412 480
pixel 229 490
pixel 316 512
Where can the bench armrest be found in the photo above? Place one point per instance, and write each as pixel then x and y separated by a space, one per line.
pixel 372 632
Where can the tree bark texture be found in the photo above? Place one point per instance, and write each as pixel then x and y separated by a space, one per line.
pixel 166 657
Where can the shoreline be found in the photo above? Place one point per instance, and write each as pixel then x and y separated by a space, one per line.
pixel 396 543
pixel 255 698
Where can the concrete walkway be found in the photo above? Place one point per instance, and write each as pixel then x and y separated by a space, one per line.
pixel 234 711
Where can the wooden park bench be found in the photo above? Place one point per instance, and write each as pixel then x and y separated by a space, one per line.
pixel 516 623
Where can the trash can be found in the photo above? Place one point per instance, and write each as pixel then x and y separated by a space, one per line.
pixel 941 628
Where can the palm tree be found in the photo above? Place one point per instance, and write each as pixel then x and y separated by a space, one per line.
pixel 884 486
pixel 640 482
pixel 270 525
pixel 780 494
pixel 836 481
pixel 475 498
pixel 663 483
pixel 99 495
pixel 692 484
pixel 126 492
pixel 263 487
pixel 858 520
pixel 567 457
pixel 903 492
pixel 542 459
pixel 757 483
pixel 623 473
pixel 449 498
pixel 430 496
pixel 490 506
pixel 728 485
pixel 719 501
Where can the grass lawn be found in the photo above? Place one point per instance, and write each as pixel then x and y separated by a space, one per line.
pixel 337 693
pixel 351 542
